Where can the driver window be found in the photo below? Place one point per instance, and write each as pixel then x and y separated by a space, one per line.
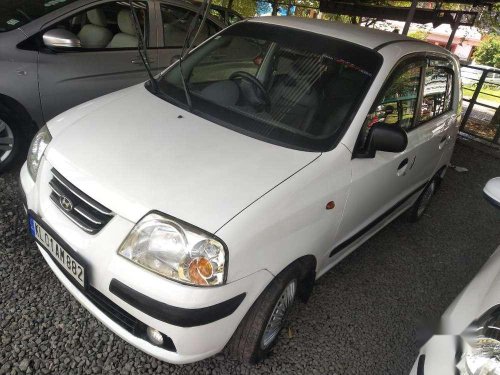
pixel 108 26
pixel 398 101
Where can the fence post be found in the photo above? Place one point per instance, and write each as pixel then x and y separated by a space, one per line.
pixel 496 122
pixel 473 99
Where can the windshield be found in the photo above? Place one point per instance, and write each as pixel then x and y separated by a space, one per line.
pixel 286 86
pixel 16 13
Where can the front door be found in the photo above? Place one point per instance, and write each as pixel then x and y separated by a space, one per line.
pixel 381 184
pixel 108 60
pixel 434 129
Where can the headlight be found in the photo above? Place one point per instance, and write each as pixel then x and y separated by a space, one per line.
pixel 37 148
pixel 481 354
pixel 176 250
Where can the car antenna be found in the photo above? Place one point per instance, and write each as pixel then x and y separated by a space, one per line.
pixel 141 46
pixel 188 43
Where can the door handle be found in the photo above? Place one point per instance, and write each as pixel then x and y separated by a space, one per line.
pixel 444 141
pixel 402 167
pixel 138 61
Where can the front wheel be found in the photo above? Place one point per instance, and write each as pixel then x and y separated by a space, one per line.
pixel 259 329
pixel 11 141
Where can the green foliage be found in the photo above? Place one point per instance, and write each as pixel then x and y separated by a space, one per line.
pixel 488 51
pixel 419 34
pixel 245 7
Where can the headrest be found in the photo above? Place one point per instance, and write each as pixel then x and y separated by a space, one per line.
pixel 125 22
pixel 97 17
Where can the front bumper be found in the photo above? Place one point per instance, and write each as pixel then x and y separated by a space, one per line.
pixel 182 313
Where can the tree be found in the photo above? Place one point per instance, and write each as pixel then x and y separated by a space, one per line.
pixel 488 51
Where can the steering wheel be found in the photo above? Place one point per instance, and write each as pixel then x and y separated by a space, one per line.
pixel 245 76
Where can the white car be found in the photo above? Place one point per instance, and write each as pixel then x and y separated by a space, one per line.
pixel 190 215
pixel 468 339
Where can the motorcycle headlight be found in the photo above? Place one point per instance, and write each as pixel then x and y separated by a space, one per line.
pixel 481 352
pixel 176 250
pixel 36 150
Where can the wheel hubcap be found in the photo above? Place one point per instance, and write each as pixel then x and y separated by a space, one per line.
pixel 429 192
pixel 279 314
pixel 6 141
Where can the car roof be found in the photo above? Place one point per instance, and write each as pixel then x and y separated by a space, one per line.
pixel 367 37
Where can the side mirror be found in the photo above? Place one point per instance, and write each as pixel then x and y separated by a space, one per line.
pixel 60 38
pixel 492 191
pixel 384 137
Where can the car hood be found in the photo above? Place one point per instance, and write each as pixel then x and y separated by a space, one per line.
pixel 134 152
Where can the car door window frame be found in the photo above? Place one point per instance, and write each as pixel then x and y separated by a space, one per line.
pixel 450 70
pixel 151 38
pixel 420 59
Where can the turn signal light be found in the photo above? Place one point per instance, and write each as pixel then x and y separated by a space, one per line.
pixel 200 269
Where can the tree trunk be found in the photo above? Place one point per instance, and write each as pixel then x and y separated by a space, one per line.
pixel 275 8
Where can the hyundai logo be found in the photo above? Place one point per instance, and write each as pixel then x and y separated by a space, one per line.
pixel 66 203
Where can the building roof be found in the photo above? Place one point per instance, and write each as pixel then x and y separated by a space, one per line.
pixel 367 37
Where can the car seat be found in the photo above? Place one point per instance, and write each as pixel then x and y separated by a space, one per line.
pixel 127 37
pixel 95 34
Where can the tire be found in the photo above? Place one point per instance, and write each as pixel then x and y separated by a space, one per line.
pixel 418 209
pixel 12 139
pixel 252 342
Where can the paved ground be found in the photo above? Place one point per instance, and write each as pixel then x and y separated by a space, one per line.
pixel 362 318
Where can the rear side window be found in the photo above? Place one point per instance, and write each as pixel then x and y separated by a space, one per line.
pixel 17 13
pixel 437 96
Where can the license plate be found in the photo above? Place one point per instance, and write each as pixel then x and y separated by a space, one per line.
pixel 60 254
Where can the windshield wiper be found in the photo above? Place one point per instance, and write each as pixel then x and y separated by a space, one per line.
pixel 188 43
pixel 141 46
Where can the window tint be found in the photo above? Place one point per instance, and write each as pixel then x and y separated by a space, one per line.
pixel 176 22
pixel 437 96
pixel 14 14
pixel 108 26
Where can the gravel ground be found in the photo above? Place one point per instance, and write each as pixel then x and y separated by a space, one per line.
pixel 362 318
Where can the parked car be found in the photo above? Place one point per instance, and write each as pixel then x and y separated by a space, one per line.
pixel 188 213
pixel 57 54
pixel 468 341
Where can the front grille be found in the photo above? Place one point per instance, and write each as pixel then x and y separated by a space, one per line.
pixel 123 318
pixel 82 210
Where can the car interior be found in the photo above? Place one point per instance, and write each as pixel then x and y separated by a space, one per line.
pixel 107 26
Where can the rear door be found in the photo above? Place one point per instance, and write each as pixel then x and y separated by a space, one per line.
pixel 108 60
pixel 175 18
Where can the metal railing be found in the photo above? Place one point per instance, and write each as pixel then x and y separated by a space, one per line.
pixel 481 102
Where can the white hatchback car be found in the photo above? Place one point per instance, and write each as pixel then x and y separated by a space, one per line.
pixel 190 216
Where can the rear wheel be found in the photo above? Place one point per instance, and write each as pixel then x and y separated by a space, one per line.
pixel 419 207
pixel 260 328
